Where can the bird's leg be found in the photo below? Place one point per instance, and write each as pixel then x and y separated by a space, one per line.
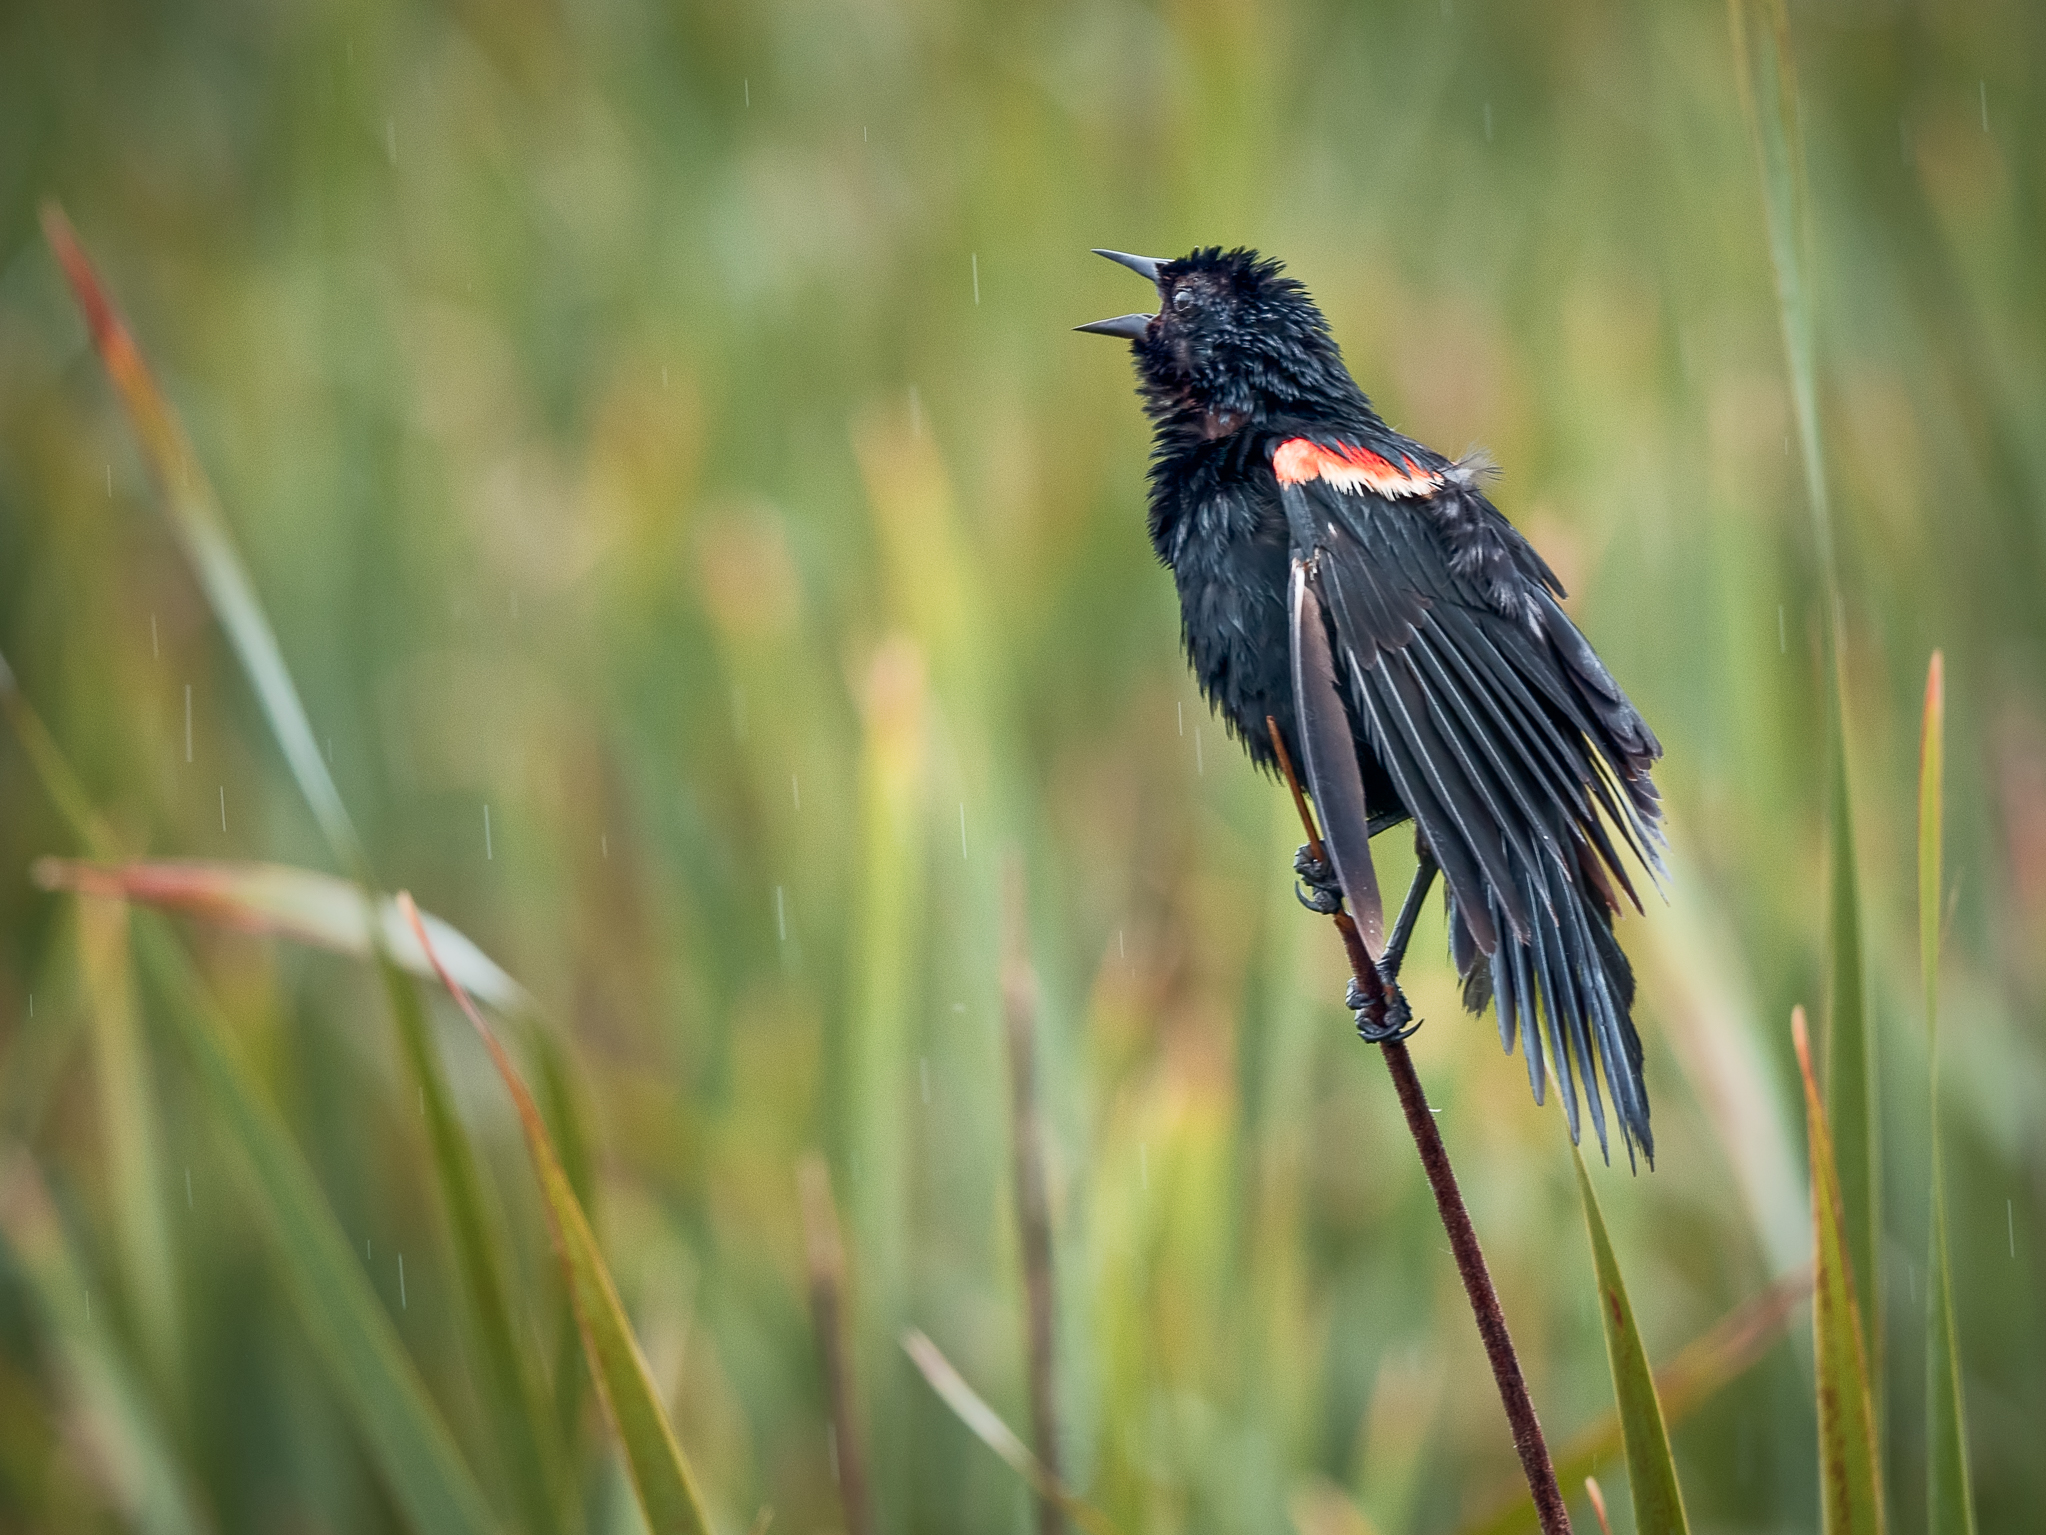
pixel 1410 912
pixel 1386 1017
pixel 1322 892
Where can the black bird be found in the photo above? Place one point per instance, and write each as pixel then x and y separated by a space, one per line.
pixel 1361 590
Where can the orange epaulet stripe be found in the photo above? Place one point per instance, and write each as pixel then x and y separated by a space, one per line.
pixel 1296 460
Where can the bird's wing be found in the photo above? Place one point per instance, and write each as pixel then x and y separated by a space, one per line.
pixel 1520 758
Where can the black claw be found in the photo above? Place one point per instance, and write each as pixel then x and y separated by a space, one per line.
pixel 1384 1019
pixel 1324 892
pixel 1320 900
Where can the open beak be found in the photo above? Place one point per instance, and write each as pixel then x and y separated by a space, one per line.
pixel 1130 327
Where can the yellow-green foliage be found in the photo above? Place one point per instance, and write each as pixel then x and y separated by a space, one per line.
pixel 703 556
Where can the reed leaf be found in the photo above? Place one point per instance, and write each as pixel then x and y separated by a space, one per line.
pixel 1850 1471
pixel 1950 1500
pixel 1651 1472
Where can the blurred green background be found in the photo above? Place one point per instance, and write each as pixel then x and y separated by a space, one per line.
pixel 708 560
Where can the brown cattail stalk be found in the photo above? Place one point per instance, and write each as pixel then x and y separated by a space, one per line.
pixel 1456 1219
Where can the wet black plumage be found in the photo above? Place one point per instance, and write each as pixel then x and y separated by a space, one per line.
pixel 1363 591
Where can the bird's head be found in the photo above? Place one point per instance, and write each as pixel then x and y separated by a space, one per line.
pixel 1233 340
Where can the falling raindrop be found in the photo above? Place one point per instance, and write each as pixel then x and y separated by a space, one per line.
pixel 748 86
pixel 367 1255
pixel 664 378
pixel 188 722
pixel 1121 950
pixel 796 792
pixel 1488 122
pixel 2010 1226
pixel 781 921
pixel 110 482
pixel 88 1306
pixel 1985 106
pixel 188 1186
pixel 489 853
pixel 863 135
pixel 976 277
pixel 1782 634
pixel 154 653
pixel 223 807
pixel 604 842
pixel 403 1304
pixel 1181 708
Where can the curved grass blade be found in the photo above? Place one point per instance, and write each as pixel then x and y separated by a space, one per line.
pixel 512 1400
pixel 133 1451
pixel 304 905
pixel 1950 1501
pixel 988 1427
pixel 1850 1475
pixel 196 521
pixel 404 1434
pixel 1768 81
pixel 660 1472
pixel 134 1147
pixel 1701 1370
pixel 1651 1474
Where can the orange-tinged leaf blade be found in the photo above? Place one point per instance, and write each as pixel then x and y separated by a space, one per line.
pixel 300 904
pixel 660 1471
pixel 1651 1473
pixel 1850 1475
pixel 1950 1501
pixel 196 520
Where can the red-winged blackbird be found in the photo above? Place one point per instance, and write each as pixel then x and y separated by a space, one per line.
pixel 1360 590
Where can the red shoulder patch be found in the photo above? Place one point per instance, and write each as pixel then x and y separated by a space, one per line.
pixel 1296 460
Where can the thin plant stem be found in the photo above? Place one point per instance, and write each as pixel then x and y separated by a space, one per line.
pixel 1456 1219
pixel 824 1250
pixel 1033 1204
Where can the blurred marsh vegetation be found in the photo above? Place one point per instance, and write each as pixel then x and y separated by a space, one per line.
pixel 709 560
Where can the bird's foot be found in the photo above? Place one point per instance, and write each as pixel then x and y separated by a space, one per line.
pixel 1382 1019
pixel 1319 890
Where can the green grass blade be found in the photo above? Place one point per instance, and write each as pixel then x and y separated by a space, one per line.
pixel 660 1472
pixel 1850 1054
pixel 1850 1475
pixel 507 1383
pixel 1950 1501
pixel 333 913
pixel 1651 1473
pixel 135 1453
pixel 303 905
pixel 405 1436
pixel 511 1399
pixel 134 1144
pixel 390 1408
pixel 1701 1370
pixel 196 521
pixel 1768 79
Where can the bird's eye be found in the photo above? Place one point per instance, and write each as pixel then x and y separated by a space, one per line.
pixel 1183 299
